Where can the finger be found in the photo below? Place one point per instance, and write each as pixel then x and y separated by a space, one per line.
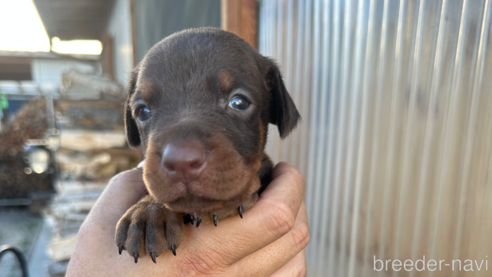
pixel 295 267
pixel 123 190
pixel 284 255
pixel 272 216
pixel 286 181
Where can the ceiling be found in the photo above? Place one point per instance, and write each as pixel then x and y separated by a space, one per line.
pixel 75 19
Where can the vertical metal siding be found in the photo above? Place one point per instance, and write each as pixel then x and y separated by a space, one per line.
pixel 396 138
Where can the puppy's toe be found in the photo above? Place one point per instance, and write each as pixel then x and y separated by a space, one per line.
pixel 134 243
pixel 148 228
pixel 155 233
pixel 174 231
pixel 121 233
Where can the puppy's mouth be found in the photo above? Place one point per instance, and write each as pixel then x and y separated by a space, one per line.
pixel 186 178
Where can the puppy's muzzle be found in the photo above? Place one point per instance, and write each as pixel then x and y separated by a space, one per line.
pixel 184 161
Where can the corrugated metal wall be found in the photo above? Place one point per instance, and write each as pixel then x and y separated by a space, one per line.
pixel 396 139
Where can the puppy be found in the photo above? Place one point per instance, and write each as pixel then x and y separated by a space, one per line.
pixel 199 104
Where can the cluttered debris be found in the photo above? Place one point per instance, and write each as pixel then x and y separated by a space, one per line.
pixel 90 115
pixel 29 123
pixel 17 177
pixel 83 86
pixel 66 214
pixel 94 156
pixel 58 152
pixel 86 159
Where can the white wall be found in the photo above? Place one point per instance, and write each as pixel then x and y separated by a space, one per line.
pixel 119 27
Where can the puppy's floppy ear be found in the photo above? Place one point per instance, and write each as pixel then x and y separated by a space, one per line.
pixel 131 129
pixel 283 111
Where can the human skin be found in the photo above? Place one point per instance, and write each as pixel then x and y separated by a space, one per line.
pixel 269 241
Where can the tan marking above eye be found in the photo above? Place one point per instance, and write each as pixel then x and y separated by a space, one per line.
pixel 226 81
pixel 262 136
pixel 147 88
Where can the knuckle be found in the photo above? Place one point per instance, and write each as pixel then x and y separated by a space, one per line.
pixel 301 235
pixel 297 176
pixel 282 219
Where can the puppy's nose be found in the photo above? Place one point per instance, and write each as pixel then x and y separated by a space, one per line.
pixel 184 161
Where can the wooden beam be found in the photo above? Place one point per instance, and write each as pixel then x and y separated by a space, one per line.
pixel 241 18
pixel 107 56
pixel 133 19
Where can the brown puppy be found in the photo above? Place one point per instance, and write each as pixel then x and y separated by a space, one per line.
pixel 199 103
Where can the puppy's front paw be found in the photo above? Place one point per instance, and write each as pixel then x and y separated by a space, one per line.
pixel 149 227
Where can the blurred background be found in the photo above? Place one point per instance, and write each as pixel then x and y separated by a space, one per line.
pixel 395 143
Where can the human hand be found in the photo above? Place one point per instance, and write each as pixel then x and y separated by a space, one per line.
pixel 270 239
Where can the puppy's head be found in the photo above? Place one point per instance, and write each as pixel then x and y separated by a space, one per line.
pixel 199 104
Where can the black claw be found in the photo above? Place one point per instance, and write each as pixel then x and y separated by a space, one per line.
pixel 152 255
pixel 173 249
pixel 240 211
pixel 215 220
pixel 188 218
pixel 120 248
pixel 135 256
pixel 198 221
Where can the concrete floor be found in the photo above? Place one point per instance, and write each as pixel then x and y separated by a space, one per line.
pixel 33 233
pixel 29 233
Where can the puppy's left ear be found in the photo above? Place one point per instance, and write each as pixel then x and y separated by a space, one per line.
pixel 283 111
pixel 131 129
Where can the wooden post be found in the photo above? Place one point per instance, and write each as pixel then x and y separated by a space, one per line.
pixel 133 22
pixel 107 56
pixel 241 18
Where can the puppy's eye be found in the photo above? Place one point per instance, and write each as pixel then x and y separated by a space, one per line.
pixel 239 103
pixel 143 113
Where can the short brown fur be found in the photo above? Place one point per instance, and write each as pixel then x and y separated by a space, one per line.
pixel 186 83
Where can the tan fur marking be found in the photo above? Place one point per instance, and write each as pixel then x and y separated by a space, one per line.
pixel 262 137
pixel 226 81
pixel 147 88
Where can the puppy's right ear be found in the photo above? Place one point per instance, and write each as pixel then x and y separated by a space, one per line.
pixel 283 111
pixel 131 129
